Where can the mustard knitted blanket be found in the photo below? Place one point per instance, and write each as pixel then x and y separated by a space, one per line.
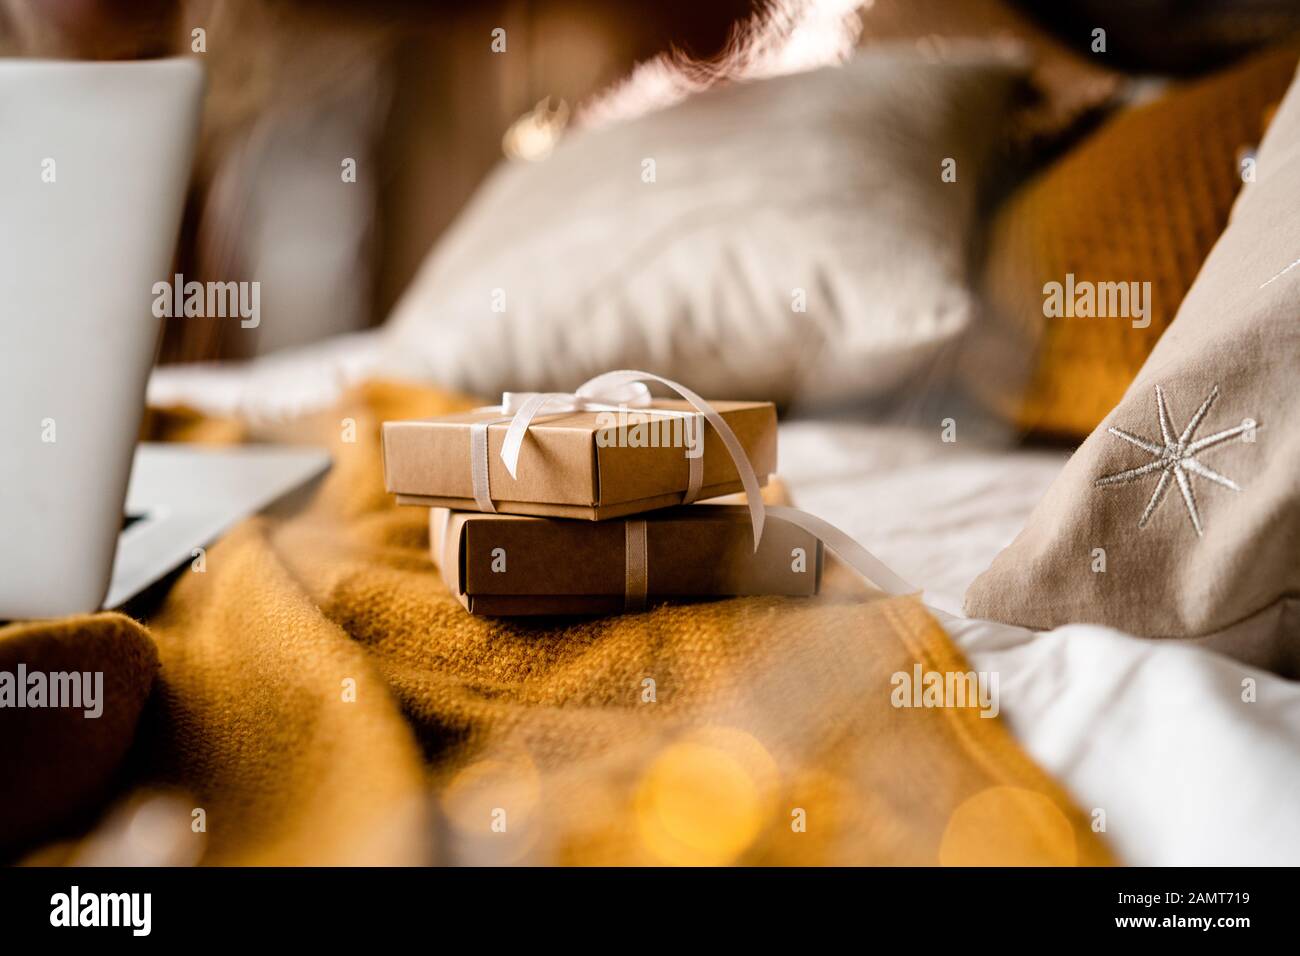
pixel 313 695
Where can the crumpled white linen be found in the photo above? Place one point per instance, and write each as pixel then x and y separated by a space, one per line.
pixel 1158 735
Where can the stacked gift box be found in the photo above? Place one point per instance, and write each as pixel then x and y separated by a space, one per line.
pixel 599 508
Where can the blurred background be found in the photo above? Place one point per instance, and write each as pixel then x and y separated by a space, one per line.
pixel 402 86
pixel 409 90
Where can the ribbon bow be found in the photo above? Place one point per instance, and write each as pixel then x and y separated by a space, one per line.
pixel 626 388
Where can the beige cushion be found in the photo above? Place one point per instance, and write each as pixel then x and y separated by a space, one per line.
pixel 1197 536
pixel 826 182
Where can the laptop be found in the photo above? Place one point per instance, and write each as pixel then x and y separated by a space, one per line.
pixel 94 164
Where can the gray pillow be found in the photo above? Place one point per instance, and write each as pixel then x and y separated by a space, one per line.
pixel 1180 515
pixel 783 238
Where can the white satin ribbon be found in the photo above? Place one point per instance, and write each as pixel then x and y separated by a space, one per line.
pixel 867 565
pixel 626 388
pixel 611 392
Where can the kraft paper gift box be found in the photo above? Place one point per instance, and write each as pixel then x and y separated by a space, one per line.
pixel 575 464
pixel 506 565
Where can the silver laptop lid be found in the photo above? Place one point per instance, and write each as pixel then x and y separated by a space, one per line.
pixel 94 163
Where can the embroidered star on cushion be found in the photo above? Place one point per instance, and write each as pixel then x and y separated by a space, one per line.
pixel 1175 459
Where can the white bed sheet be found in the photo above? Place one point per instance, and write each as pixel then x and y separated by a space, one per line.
pixel 1154 733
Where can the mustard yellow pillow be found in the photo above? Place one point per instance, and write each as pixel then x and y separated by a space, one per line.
pixel 1140 200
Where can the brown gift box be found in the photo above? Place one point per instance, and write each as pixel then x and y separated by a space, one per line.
pixel 563 471
pixel 516 565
